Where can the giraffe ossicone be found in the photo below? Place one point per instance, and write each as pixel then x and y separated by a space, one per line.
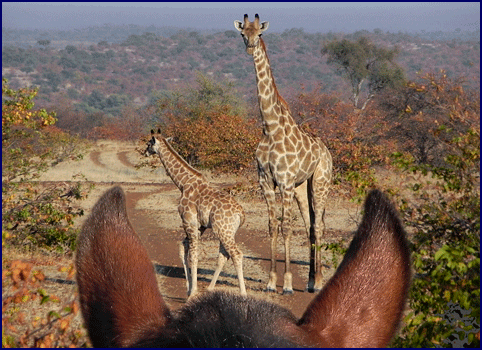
pixel 201 206
pixel 299 164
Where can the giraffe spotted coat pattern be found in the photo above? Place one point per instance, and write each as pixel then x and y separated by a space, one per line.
pixel 201 206
pixel 299 164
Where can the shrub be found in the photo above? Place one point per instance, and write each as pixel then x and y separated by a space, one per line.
pixel 130 125
pixel 445 217
pixel 35 216
pixel 209 126
pixel 220 141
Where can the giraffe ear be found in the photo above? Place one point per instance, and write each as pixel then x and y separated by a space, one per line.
pixel 264 26
pixel 238 25
pixel 152 132
pixel 159 131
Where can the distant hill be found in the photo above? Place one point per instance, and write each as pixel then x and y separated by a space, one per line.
pixel 115 34
pixel 104 68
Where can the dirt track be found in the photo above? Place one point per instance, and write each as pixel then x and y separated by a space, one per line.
pixel 152 208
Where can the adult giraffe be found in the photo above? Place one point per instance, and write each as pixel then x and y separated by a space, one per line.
pixel 288 158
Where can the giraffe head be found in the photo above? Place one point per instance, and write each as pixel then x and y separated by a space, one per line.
pixel 251 32
pixel 152 144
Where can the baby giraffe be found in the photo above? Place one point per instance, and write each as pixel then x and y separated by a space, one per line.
pixel 201 206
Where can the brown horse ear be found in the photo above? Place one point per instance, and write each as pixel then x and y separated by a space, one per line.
pixel 159 131
pixel 362 304
pixel 152 132
pixel 117 286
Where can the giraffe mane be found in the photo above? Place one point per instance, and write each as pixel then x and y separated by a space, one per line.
pixel 181 159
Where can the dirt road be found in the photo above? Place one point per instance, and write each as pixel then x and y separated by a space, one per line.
pixel 152 208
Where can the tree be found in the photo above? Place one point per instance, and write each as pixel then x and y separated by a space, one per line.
pixel 44 43
pixel 423 115
pixel 361 62
pixel 96 99
pixel 70 49
pixel 130 124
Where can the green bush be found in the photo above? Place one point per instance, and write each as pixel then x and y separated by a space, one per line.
pixel 444 302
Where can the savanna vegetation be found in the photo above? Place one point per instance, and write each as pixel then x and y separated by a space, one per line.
pixel 36 217
pixel 122 66
pixel 426 125
pixel 32 216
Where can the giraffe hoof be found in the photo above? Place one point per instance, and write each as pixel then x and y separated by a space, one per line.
pixel 287 291
pixel 270 290
pixel 312 289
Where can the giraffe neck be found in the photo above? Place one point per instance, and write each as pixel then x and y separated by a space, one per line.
pixel 176 167
pixel 272 106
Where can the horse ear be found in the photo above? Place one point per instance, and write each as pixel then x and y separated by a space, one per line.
pixel 152 132
pixel 117 285
pixel 159 131
pixel 362 304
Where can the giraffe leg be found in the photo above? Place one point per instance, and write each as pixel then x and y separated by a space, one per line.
pixel 320 186
pixel 237 257
pixel 315 275
pixel 301 196
pixel 184 254
pixel 269 195
pixel 192 258
pixel 310 286
pixel 318 241
pixel 287 229
pixel 222 257
pixel 228 249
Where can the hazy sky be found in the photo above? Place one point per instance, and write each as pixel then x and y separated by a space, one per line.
pixel 311 16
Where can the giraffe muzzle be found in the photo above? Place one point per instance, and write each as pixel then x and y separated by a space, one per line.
pixel 250 48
